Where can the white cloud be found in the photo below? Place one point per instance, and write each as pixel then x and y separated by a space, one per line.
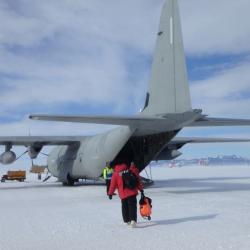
pixel 216 27
pixel 226 93
pixel 70 52
pixel 84 82
pixel 52 53
pixel 221 26
pixel 114 21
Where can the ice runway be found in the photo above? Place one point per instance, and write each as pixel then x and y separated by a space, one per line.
pixel 193 208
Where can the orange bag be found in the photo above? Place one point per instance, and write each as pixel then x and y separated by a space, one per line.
pixel 145 207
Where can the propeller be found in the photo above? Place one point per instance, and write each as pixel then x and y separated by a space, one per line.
pixel 47 177
pixel 44 154
pixel 25 152
pixel 21 155
pixel 32 162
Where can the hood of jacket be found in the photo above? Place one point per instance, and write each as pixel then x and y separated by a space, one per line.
pixel 120 167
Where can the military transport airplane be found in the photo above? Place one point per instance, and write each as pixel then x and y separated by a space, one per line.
pixel 147 136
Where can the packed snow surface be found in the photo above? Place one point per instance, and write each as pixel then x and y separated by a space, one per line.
pixel 193 208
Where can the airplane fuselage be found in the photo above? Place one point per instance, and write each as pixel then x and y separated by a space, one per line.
pixel 87 159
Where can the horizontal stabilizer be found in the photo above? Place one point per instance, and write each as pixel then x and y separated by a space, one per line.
pixel 112 120
pixel 213 122
pixel 144 123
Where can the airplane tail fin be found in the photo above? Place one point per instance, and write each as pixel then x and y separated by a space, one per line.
pixel 168 86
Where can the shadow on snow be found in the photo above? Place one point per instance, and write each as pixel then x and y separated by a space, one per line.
pixel 187 186
pixel 176 221
pixel 205 185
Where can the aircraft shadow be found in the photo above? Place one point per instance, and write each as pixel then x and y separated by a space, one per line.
pixel 36 186
pixel 204 185
pixel 89 183
pixel 176 221
pixel 41 185
pixel 191 186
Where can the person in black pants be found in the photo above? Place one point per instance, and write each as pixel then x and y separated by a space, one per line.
pixel 129 209
pixel 126 194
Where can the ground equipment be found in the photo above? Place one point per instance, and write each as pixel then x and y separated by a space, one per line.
pixel 19 175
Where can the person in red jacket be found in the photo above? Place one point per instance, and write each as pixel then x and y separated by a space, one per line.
pixel 127 196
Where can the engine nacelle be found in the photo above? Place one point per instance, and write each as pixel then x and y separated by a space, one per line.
pixel 168 154
pixel 33 151
pixel 7 157
pixel 175 153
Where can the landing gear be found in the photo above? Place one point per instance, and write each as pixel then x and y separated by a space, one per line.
pixel 69 182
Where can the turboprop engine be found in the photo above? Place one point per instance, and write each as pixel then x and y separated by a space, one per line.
pixel 33 151
pixel 169 154
pixel 7 157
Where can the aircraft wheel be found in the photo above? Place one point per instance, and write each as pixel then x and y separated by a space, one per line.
pixel 69 182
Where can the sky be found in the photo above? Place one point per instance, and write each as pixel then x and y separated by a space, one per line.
pixel 94 57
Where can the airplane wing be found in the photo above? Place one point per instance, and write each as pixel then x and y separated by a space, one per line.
pixel 68 140
pixel 170 151
pixel 34 145
pixel 209 122
pixel 184 140
pixel 40 140
pixel 179 142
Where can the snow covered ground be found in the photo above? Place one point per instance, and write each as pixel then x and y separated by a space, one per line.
pixel 193 208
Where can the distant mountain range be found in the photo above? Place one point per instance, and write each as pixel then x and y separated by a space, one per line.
pixel 221 160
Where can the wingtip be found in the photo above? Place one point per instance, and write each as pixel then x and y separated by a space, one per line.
pixel 33 117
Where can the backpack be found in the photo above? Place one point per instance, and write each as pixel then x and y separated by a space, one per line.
pixel 145 207
pixel 129 179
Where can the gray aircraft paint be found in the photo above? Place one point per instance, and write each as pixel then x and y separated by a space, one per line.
pixel 87 159
pixel 168 86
